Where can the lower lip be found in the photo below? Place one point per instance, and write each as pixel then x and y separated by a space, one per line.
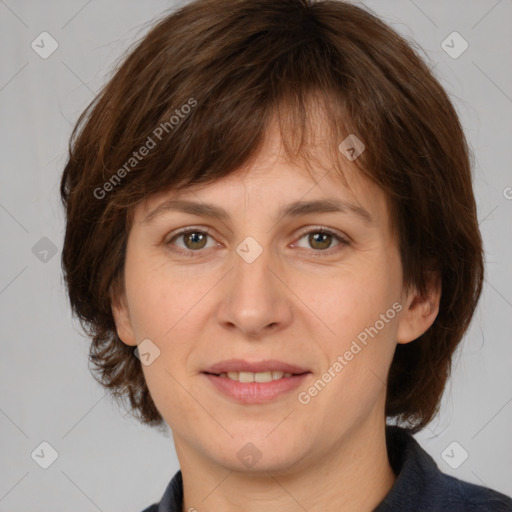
pixel 255 392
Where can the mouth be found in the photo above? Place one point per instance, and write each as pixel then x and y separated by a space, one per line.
pixel 254 382
pixel 267 376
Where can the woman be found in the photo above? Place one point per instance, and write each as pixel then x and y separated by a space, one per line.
pixel 272 239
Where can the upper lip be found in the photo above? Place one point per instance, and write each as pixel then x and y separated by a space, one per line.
pixel 241 365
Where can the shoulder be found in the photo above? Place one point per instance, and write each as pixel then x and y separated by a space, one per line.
pixel 151 508
pixel 172 499
pixel 474 498
pixel 422 487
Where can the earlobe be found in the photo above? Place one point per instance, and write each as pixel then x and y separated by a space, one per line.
pixel 420 311
pixel 122 320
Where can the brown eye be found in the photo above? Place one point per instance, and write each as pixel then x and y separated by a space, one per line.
pixel 194 239
pixel 320 240
pixel 191 240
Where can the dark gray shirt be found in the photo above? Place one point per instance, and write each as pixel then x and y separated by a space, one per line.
pixel 420 485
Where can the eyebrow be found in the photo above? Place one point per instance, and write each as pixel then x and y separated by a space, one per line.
pixel 295 209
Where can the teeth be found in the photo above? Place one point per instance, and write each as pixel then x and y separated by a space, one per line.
pixel 246 377
pixel 255 377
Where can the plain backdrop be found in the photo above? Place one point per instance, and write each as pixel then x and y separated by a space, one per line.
pixel 107 461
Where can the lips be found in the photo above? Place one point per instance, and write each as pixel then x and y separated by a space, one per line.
pixel 255 382
pixel 241 365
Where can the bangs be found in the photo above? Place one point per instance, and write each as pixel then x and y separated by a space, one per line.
pixel 225 129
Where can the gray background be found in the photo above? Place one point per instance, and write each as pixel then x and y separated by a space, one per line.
pixel 106 460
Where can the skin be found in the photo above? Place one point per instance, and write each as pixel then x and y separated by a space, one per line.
pixel 294 303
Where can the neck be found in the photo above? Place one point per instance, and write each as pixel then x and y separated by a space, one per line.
pixel 355 474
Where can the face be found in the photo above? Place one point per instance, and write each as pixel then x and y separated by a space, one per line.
pixel 270 336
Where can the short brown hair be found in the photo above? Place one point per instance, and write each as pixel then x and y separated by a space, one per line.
pixel 236 63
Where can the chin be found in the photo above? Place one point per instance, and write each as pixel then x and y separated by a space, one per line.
pixel 257 451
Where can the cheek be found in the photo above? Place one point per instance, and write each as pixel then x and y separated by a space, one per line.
pixel 356 361
pixel 361 308
pixel 357 297
pixel 166 308
pixel 161 298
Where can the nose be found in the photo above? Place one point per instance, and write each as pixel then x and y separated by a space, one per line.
pixel 255 299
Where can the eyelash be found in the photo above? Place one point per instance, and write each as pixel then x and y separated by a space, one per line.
pixel 317 229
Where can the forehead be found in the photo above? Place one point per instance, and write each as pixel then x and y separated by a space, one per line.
pixel 271 180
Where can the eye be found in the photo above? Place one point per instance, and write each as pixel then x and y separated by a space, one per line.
pixel 194 239
pixel 320 239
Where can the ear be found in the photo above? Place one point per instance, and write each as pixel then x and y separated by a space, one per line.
pixel 419 311
pixel 121 315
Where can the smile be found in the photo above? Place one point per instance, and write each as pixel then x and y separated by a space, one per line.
pixel 256 377
pixel 254 392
